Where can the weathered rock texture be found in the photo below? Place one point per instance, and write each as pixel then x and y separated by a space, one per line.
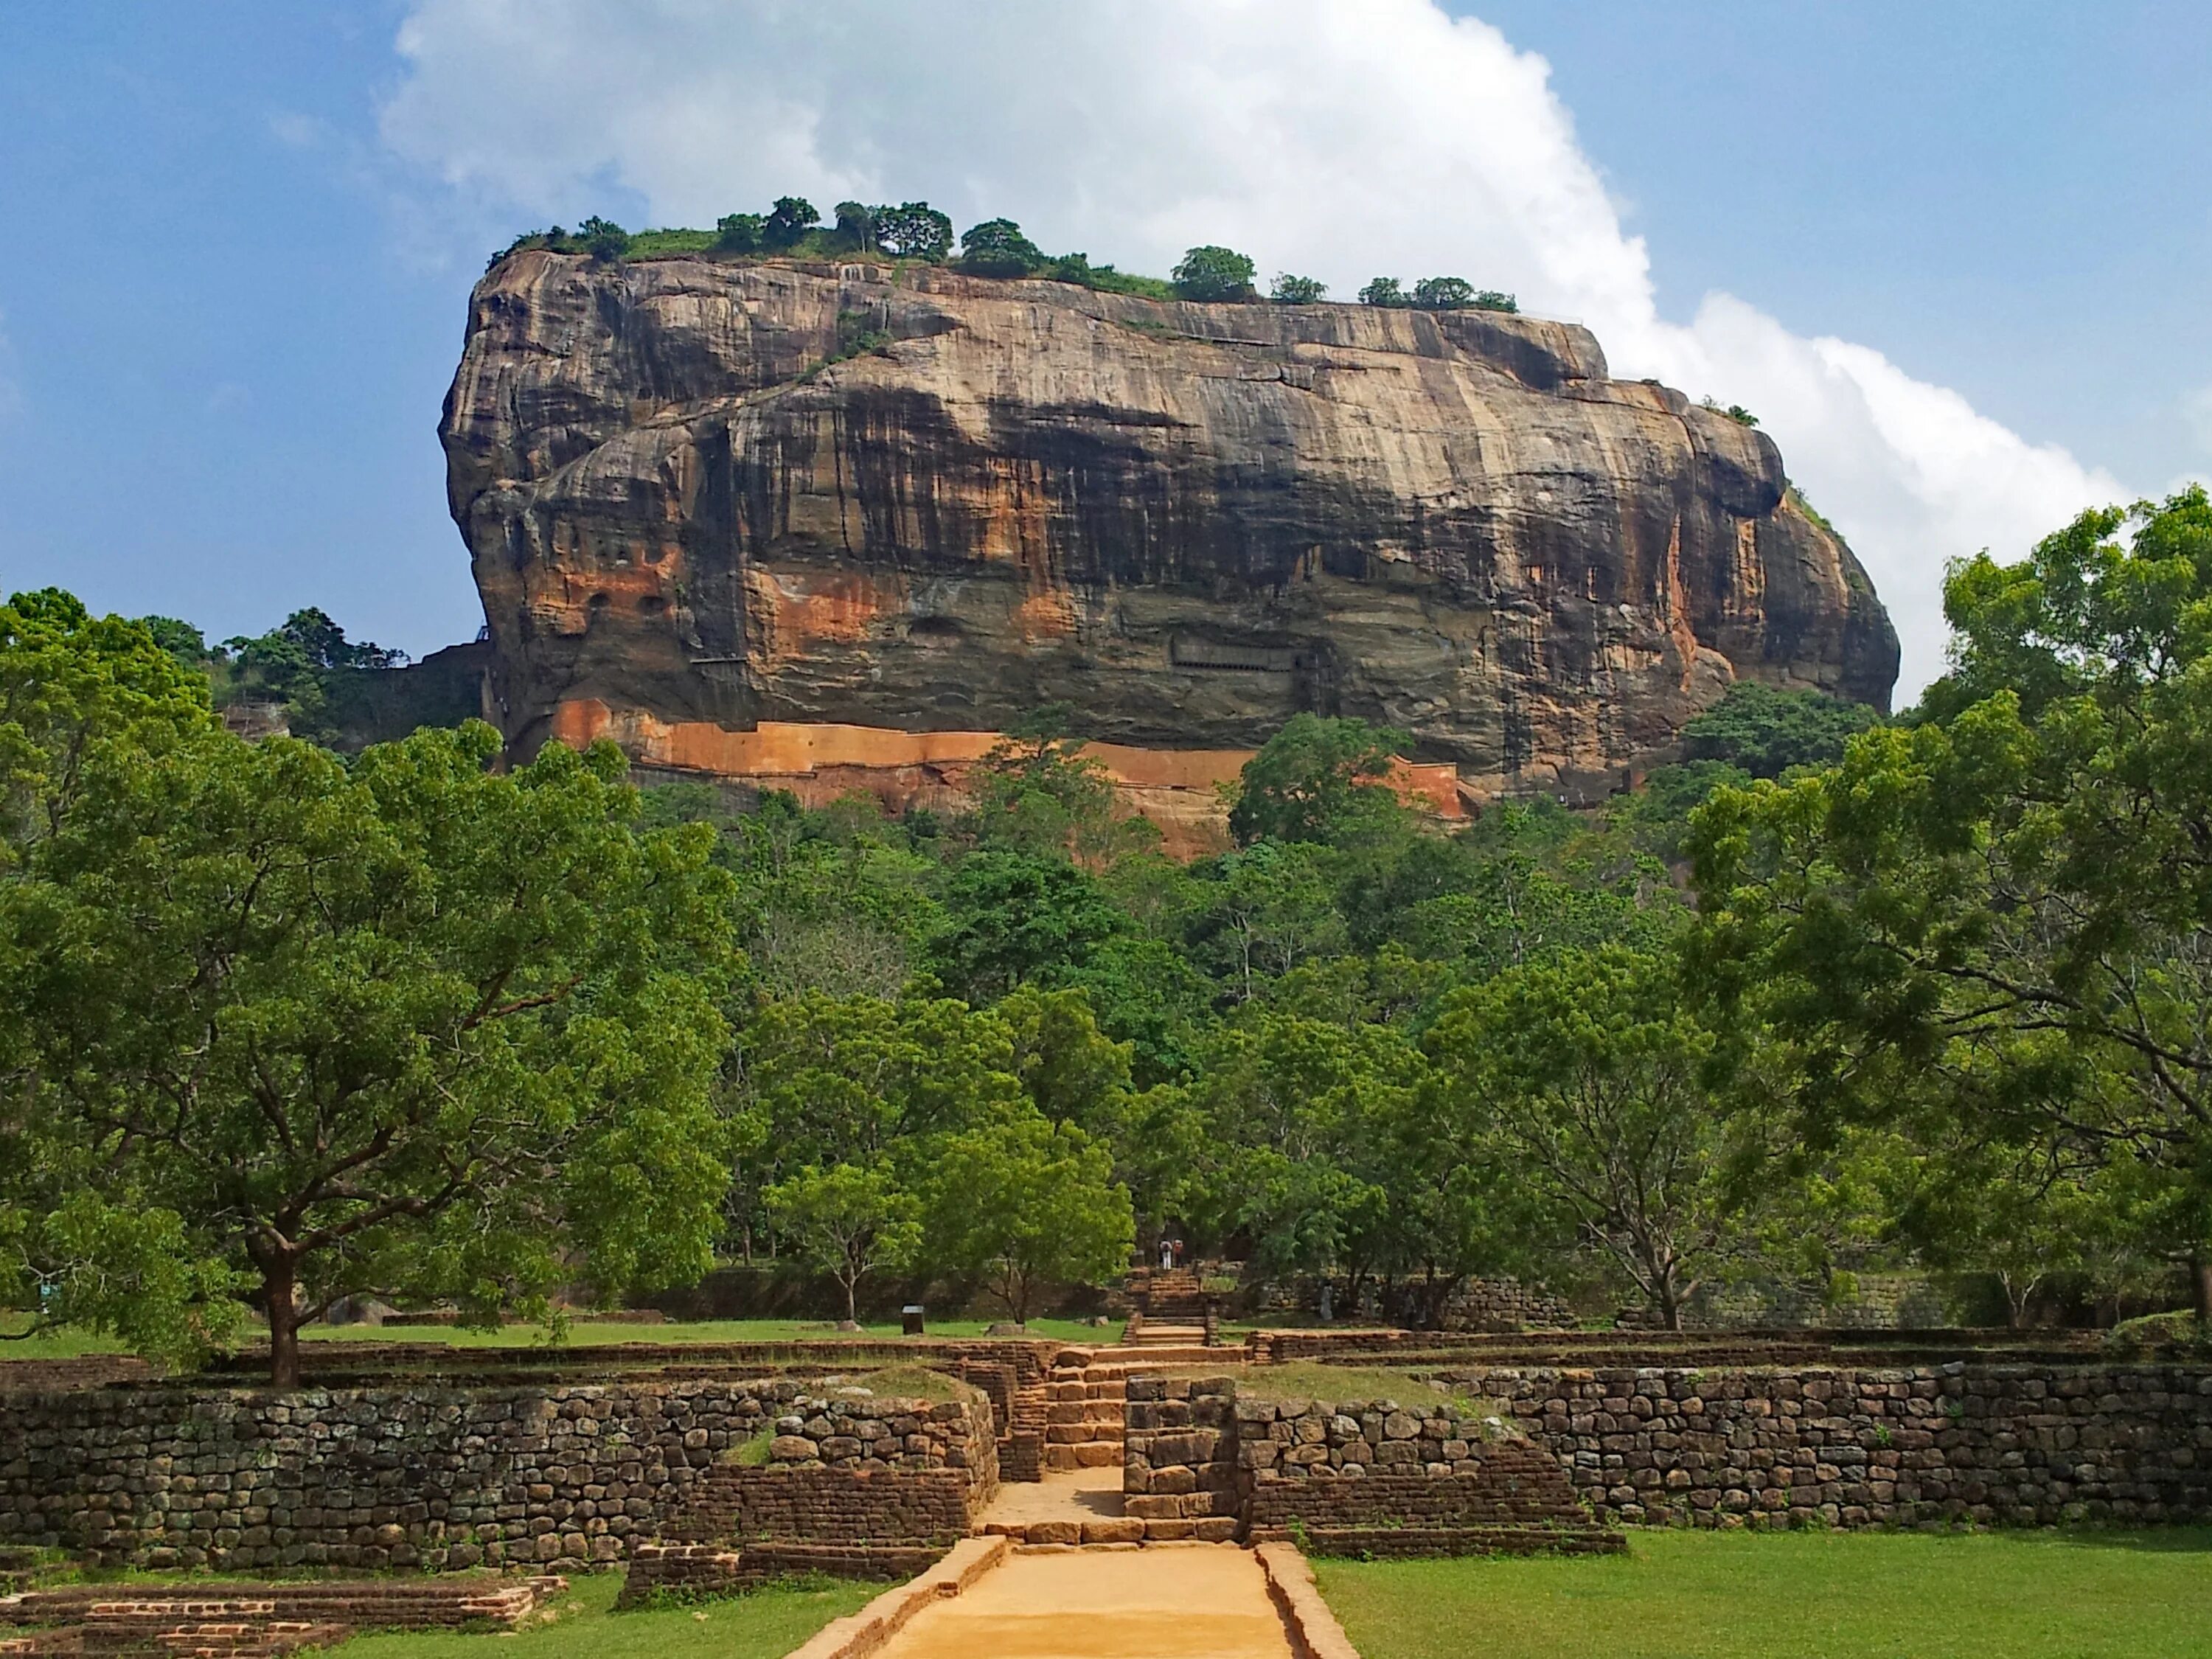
pixel 771 521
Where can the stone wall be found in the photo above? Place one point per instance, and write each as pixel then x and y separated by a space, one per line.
pixel 236 1480
pixel 1478 1304
pixel 1424 1477
pixel 1991 1444
pixel 1179 1457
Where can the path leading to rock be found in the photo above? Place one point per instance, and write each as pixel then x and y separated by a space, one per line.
pixel 1163 1601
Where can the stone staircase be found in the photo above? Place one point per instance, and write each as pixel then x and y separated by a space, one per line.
pixel 1173 1311
pixel 1084 1403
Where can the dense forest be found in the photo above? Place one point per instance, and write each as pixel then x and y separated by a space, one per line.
pixel 1830 995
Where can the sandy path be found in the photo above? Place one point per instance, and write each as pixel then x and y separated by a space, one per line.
pixel 1203 1601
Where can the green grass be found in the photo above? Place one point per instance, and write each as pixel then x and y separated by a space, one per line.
pixel 66 1343
pixel 583 1333
pixel 1336 1385
pixel 1797 1596
pixel 762 1624
pixel 69 1343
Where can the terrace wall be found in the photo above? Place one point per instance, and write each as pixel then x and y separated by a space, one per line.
pixel 430 1477
pixel 1866 1447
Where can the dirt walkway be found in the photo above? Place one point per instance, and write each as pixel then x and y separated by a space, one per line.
pixel 1196 1601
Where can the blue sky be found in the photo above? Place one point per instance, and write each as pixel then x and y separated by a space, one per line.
pixel 245 232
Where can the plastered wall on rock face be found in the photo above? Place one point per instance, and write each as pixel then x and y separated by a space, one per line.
pixel 1190 521
pixel 1177 789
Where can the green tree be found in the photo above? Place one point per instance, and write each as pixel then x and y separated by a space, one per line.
pixel 82 700
pixel 855 227
pixel 739 233
pixel 850 1221
pixel 1213 273
pixel 1765 731
pixel 2011 902
pixel 1030 1204
pixel 1319 780
pixel 913 230
pixel 1289 290
pixel 1036 791
pixel 1267 908
pixel 1013 918
pixel 1444 294
pixel 414 1028
pixel 1384 291
pixel 603 238
pixel 180 640
pixel 1592 1078
pixel 997 248
pixel 1072 1071
pixel 787 223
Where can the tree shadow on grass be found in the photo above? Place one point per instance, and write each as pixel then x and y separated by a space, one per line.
pixel 2162 1541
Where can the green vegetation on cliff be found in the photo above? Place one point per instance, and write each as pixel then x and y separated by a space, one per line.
pixel 915 231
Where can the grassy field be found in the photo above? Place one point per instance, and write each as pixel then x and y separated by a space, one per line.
pixel 762 1624
pixel 1797 1596
pixel 69 1343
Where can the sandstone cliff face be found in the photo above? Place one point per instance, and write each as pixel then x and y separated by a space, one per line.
pixel 710 502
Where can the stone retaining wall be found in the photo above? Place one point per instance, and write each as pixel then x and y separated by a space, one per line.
pixel 1992 1444
pixel 382 1478
pixel 1179 1457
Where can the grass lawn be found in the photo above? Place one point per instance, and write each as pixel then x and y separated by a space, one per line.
pixel 1797 1596
pixel 762 1624
pixel 583 1333
pixel 69 1343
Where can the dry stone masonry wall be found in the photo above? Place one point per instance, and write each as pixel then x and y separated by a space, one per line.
pixel 404 1477
pixel 1995 1444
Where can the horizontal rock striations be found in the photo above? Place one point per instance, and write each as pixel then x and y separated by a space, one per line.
pixel 711 502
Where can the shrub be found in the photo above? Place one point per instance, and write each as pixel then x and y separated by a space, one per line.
pixel 997 248
pixel 1735 413
pixel 1214 273
pixel 1491 299
pixel 1289 290
pixel 1384 291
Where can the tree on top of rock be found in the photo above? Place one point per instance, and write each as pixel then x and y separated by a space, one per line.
pixel 913 230
pixel 788 222
pixel 997 248
pixel 1214 273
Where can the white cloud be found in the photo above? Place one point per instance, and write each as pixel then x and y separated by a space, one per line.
pixel 1337 137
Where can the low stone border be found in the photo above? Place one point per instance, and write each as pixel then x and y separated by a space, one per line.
pixel 1314 1633
pixel 863 1633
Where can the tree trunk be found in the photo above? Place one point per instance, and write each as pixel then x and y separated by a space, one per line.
pixel 279 1291
pixel 2200 1268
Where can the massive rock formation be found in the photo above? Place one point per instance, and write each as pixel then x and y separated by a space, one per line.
pixel 835 525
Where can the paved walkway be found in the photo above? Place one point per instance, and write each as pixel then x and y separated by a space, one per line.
pixel 1189 1601
pixel 1062 1495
